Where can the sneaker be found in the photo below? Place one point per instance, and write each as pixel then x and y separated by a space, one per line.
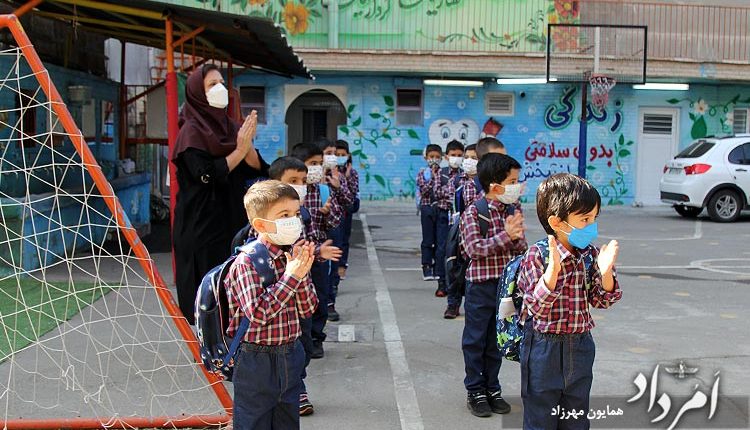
pixel 427 273
pixel 441 291
pixel 497 403
pixel 478 405
pixel 451 312
pixel 333 316
pixel 317 349
pixel 305 407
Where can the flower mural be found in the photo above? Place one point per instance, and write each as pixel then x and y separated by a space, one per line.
pixel 295 18
pixel 705 115
pixel 567 9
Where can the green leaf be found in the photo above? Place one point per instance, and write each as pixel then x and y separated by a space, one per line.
pixel 734 99
pixel 344 129
pixel 622 139
pixel 357 122
pixel 630 143
pixel 357 153
pixel 351 108
pixel 315 13
pixel 389 110
pixel 363 156
pixel 367 178
pixel 623 191
pixel 375 115
pixel 413 134
pixel 623 153
pixel 415 152
pixel 699 129
pixel 388 100
pixel 380 180
pixel 673 101
pixel 692 116
pixel 590 168
pixel 387 136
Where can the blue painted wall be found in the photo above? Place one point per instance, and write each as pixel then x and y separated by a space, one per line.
pixel 542 133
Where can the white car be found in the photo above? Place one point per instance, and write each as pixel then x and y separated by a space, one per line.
pixel 711 173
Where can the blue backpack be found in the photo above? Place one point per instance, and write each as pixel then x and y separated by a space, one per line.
pixel 510 329
pixel 218 351
pixel 458 199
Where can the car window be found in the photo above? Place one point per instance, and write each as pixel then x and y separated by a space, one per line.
pixel 740 154
pixel 697 149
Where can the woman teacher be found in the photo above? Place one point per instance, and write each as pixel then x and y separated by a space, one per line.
pixel 215 160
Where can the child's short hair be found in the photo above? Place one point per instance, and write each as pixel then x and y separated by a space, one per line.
pixel 342 144
pixel 262 195
pixel 472 147
pixel 324 143
pixel 485 144
pixel 433 148
pixel 494 168
pixel 282 164
pixel 562 195
pixel 306 151
pixel 454 145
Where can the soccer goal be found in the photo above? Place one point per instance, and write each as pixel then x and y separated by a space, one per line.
pixel 90 335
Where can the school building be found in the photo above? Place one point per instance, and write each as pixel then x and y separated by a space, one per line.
pixel 375 62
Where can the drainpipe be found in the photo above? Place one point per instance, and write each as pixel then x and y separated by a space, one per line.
pixel 333 24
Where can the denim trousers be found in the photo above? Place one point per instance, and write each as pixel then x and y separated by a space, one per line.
pixel 482 358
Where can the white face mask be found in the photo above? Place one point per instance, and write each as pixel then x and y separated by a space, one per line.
pixel 301 190
pixel 288 231
pixel 314 174
pixel 469 166
pixel 330 161
pixel 218 96
pixel 455 162
pixel 512 193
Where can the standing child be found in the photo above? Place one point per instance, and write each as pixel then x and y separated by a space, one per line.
pixel 449 178
pixel 325 215
pixel 490 145
pixel 557 352
pixel 488 255
pixel 343 232
pixel 267 372
pixel 468 174
pixel 428 182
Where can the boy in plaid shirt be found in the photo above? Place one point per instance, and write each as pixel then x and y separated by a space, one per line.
pixel 488 255
pixel 557 352
pixel 271 358
pixel 325 217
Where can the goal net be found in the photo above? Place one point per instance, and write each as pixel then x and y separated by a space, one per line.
pixel 90 336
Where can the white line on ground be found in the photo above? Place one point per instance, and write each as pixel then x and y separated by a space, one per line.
pixel 406 396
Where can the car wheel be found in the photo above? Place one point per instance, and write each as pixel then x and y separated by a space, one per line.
pixel 725 206
pixel 688 211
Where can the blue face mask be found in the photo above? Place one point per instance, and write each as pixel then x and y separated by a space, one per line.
pixel 342 160
pixel 582 237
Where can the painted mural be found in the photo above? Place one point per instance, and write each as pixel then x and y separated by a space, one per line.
pixel 509 25
pixel 710 119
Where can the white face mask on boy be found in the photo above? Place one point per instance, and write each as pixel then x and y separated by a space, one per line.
pixel 512 193
pixel 314 174
pixel 288 231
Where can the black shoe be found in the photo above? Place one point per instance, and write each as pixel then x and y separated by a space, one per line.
pixel 333 316
pixel 478 405
pixel 427 273
pixel 451 312
pixel 317 349
pixel 497 403
pixel 442 290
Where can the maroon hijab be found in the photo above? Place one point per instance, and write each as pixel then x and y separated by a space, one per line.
pixel 202 126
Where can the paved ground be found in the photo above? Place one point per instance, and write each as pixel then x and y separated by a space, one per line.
pixel 685 288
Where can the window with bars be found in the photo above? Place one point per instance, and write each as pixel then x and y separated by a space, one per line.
pixel 253 98
pixel 740 124
pixel 496 103
pixel 409 107
pixel 657 124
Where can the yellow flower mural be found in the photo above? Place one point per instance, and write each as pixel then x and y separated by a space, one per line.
pixel 295 18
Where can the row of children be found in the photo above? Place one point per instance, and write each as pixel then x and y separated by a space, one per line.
pixel 557 286
pixel 303 217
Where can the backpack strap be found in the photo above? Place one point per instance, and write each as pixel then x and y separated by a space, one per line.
pixel 445 175
pixel 262 264
pixel 305 214
pixel 483 216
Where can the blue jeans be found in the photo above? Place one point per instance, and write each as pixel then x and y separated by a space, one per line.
pixel 319 275
pixel 344 261
pixel 482 358
pixel 434 235
pixel 337 235
pixel 555 371
pixel 267 386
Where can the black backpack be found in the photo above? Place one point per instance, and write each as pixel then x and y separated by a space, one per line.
pixel 458 199
pixel 455 264
pixel 218 351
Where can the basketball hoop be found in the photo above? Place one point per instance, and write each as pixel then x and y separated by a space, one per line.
pixel 600 87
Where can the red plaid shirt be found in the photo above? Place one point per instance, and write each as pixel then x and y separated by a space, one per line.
pixel 323 223
pixel 274 312
pixel 470 192
pixel 428 188
pixel 352 182
pixel 489 254
pixel 445 193
pixel 566 309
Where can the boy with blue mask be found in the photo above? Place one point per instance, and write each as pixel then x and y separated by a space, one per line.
pixel 428 187
pixel 559 285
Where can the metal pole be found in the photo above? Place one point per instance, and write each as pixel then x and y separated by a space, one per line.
pixel 582 131
pixel 123 131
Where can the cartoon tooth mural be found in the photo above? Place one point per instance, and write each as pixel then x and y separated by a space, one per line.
pixel 443 131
